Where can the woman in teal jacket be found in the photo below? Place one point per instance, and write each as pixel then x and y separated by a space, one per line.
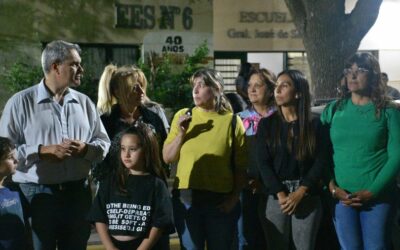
pixel 365 135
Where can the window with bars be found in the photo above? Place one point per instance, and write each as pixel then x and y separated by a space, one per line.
pixel 96 56
pixel 229 69
pixel 298 60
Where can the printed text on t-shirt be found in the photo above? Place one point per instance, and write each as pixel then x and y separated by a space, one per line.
pixel 127 217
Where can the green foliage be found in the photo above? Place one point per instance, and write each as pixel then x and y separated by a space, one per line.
pixel 89 81
pixel 89 86
pixel 21 76
pixel 168 77
pixel 169 82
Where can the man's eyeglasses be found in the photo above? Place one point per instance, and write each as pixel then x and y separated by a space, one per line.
pixel 358 71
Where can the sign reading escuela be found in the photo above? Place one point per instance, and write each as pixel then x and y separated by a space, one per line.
pixel 254 25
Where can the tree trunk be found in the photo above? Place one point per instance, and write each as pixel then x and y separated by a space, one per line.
pixel 330 37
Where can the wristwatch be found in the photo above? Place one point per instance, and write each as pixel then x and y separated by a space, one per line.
pixel 333 192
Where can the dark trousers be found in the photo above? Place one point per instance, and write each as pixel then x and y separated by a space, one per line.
pixel 250 233
pixel 162 243
pixel 200 222
pixel 58 214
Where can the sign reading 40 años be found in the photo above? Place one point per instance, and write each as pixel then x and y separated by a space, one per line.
pixel 142 17
pixel 167 41
pixel 173 44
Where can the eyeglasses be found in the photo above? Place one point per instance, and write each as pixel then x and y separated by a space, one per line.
pixel 357 72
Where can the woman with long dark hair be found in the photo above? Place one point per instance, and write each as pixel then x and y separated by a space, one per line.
pixel 290 158
pixel 365 135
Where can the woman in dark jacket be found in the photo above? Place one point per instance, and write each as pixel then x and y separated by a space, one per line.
pixel 290 160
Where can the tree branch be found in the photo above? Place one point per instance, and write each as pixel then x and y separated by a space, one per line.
pixel 298 13
pixel 329 14
pixel 323 7
pixel 365 12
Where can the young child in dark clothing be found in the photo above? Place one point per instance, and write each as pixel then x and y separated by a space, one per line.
pixel 11 216
pixel 132 209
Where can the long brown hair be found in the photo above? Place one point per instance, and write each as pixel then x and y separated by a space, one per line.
pixel 150 149
pixel 375 87
pixel 305 146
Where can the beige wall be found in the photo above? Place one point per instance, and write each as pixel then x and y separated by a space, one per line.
pixel 25 24
pixel 96 21
pixel 254 25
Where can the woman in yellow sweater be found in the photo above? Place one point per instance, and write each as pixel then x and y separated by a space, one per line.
pixel 207 184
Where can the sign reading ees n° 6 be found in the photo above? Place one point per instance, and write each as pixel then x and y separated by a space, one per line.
pixel 142 17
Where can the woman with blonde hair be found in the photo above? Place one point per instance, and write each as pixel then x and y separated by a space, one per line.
pixel 122 103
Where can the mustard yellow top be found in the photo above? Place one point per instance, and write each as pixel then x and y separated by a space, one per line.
pixel 204 162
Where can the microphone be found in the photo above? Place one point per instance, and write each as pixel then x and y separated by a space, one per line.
pixel 189 113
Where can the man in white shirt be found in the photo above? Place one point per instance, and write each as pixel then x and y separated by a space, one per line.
pixel 58 134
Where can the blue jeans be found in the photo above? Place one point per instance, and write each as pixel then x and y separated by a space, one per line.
pixel 367 227
pixel 198 224
pixel 58 215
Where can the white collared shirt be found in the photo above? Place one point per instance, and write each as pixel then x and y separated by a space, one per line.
pixel 31 117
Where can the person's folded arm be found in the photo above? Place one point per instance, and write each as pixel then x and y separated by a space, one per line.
pixel 149 242
pixel 240 157
pixel 99 144
pixel 390 170
pixel 265 160
pixel 10 127
pixel 102 230
pixel 171 150
pixel 322 158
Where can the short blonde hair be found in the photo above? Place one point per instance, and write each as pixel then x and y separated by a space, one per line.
pixel 118 79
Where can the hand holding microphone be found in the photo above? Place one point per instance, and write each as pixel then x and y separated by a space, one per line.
pixel 184 121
